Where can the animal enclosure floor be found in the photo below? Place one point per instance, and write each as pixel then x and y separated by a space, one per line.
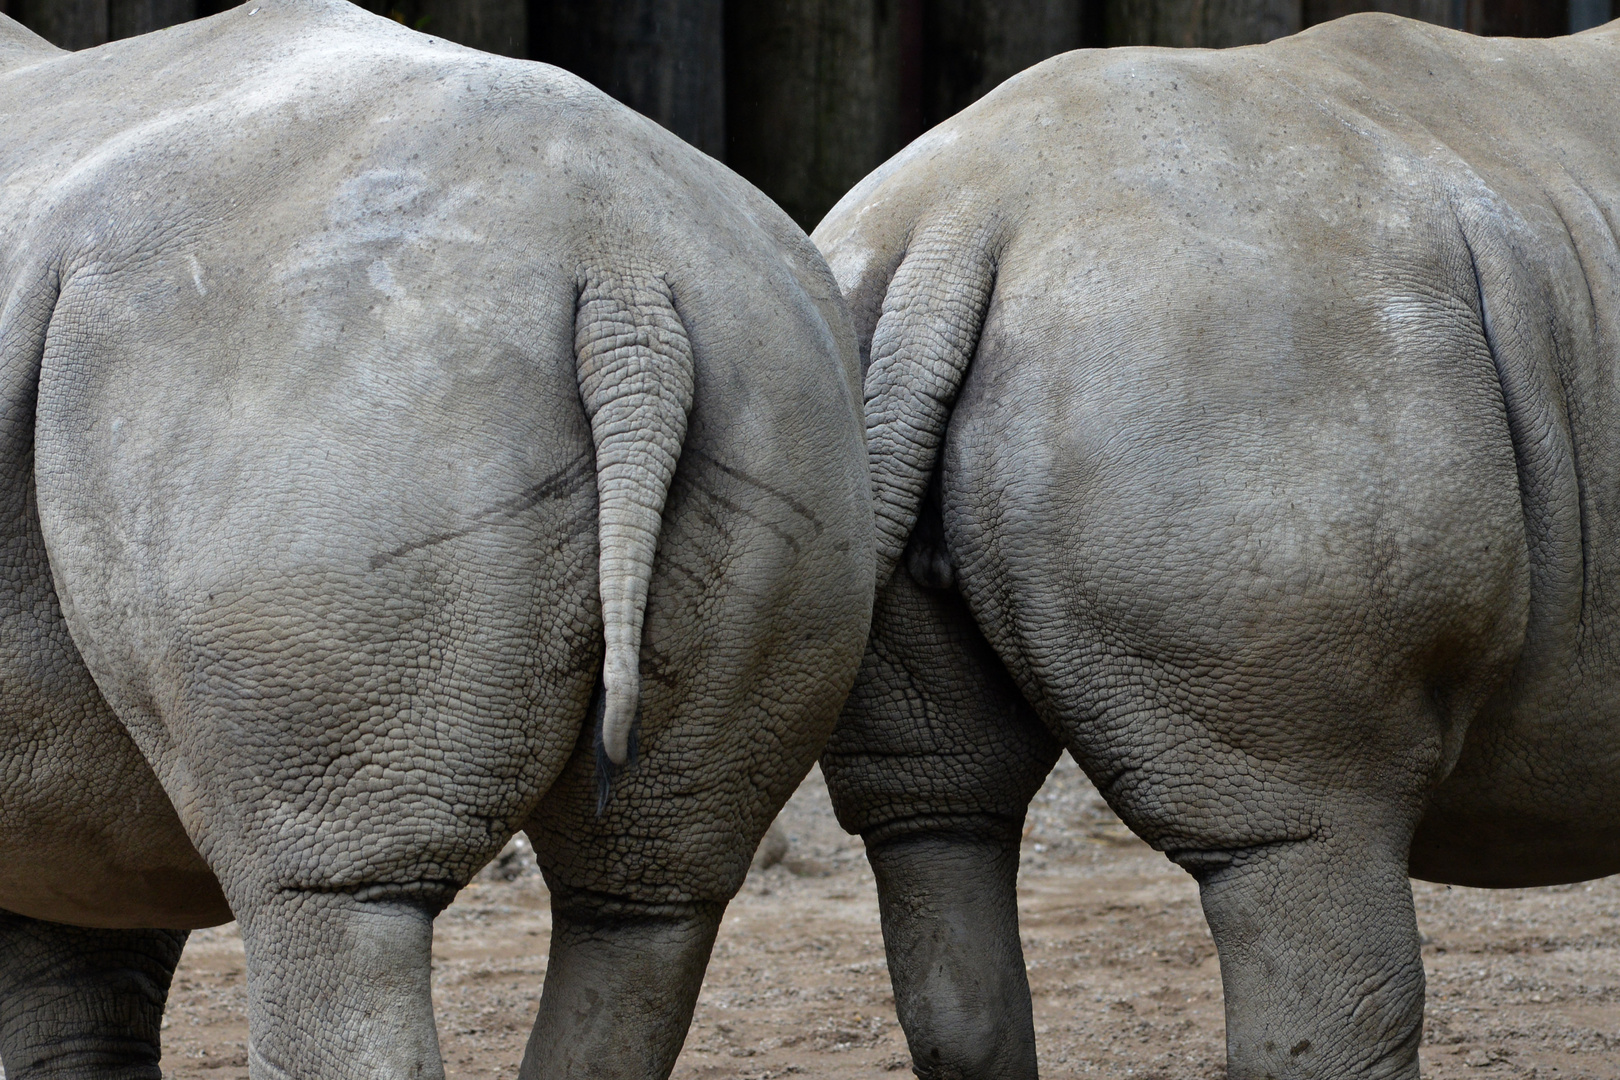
pixel 1522 983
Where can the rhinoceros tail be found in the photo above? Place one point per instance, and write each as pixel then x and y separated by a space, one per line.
pixel 634 362
pixel 924 340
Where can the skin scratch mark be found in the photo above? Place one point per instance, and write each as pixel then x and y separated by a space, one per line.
pixel 743 512
pixel 565 481
pixel 754 482
pixel 581 470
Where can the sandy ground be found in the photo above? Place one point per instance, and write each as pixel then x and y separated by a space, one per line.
pixel 1126 984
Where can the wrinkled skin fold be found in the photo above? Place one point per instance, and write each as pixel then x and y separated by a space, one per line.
pixel 1243 423
pixel 372 408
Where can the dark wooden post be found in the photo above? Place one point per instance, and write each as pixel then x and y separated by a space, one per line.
pixel 913 116
pixel 1585 14
pixel 1440 12
pixel 67 24
pixel 495 26
pixel 1512 18
pixel 1214 24
pixel 813 98
pixel 972 46
pixel 126 18
pixel 663 58
pixel 1518 18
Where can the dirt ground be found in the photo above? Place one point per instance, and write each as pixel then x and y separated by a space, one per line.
pixel 1126 984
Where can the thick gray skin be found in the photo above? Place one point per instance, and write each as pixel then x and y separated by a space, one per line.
pixel 1273 399
pixel 330 352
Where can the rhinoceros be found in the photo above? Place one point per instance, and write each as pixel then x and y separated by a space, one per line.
pixel 1246 423
pixel 401 446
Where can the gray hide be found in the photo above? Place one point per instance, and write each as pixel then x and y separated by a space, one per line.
pixel 330 354
pixel 1245 422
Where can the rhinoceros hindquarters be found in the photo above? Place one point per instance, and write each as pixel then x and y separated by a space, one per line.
pixel 363 420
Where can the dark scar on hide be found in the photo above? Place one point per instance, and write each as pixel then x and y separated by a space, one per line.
pixel 565 481
pixel 743 512
pixel 696 484
pixel 754 482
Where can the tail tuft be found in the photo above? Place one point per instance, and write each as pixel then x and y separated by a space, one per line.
pixel 606 770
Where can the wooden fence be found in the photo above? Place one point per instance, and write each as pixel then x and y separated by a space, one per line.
pixel 804 97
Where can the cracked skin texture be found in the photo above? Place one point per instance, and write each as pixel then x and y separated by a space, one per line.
pixel 1243 421
pixel 300 615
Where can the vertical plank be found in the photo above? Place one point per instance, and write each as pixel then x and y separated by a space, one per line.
pixel 813 99
pixel 1585 14
pixel 495 26
pixel 67 24
pixel 126 18
pixel 1518 18
pixel 913 115
pixel 1213 24
pixel 663 58
pixel 972 46
pixel 1440 12
pixel 1093 24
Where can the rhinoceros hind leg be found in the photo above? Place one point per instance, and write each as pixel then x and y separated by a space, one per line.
pixel 80 1003
pixel 621 984
pixel 339 984
pixel 1318 945
pixel 934 762
pixel 950 931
